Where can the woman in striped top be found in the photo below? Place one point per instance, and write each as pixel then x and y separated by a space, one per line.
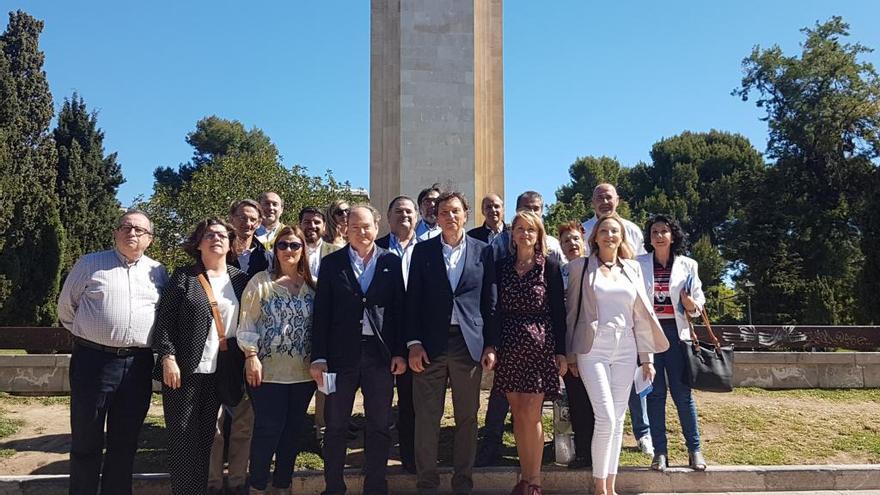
pixel 672 281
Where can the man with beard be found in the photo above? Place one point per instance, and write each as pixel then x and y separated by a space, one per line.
pixel 427 226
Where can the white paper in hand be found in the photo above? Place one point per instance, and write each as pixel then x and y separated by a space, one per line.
pixel 329 385
pixel 642 385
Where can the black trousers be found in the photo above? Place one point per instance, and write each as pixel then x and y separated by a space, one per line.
pixel 406 418
pixel 190 419
pixel 373 376
pixel 111 389
pixel 580 412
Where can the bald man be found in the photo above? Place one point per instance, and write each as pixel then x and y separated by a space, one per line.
pixel 493 211
pixel 605 201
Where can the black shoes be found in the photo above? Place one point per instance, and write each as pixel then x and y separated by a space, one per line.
pixel 580 463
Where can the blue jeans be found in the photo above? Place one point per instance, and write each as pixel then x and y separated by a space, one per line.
pixel 116 389
pixel 638 414
pixel 279 419
pixel 671 372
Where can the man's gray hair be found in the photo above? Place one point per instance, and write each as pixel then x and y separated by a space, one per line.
pixel 135 211
pixel 367 206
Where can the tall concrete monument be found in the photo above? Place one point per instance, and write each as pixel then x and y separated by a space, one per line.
pixel 436 101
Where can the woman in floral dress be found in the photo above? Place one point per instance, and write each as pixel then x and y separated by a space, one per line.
pixel 531 354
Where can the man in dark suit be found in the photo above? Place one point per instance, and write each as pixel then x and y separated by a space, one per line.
pixel 356 334
pixel 493 211
pixel 402 215
pixel 451 295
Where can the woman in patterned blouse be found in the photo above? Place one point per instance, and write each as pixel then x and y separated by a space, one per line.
pixel 275 333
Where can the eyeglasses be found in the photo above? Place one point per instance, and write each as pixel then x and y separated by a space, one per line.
pixel 284 246
pixel 216 235
pixel 341 212
pixel 138 231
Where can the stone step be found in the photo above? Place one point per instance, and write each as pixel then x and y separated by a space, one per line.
pixel 717 479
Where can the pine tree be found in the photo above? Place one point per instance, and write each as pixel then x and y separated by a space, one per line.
pixel 87 182
pixel 30 228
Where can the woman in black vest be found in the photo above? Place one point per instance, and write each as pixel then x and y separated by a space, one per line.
pixel 187 342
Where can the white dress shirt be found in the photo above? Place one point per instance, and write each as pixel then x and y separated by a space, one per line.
pixel 453 258
pixel 314 254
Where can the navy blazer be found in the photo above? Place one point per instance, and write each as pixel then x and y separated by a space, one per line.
pixel 339 309
pixel 430 299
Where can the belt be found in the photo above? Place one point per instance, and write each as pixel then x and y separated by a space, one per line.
pixel 116 351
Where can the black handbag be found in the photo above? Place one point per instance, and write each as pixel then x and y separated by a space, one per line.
pixel 709 364
pixel 230 359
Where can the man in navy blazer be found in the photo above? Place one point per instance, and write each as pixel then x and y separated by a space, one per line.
pixel 450 332
pixel 356 333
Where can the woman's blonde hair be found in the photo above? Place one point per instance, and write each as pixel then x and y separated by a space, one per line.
pixel 624 250
pixel 531 219
pixel 333 227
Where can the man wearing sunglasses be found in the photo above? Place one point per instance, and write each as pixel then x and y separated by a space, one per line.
pixel 108 303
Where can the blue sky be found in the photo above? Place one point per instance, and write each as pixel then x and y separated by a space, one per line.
pixel 580 78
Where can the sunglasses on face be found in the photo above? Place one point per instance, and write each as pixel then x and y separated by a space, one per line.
pixel 284 246
pixel 341 212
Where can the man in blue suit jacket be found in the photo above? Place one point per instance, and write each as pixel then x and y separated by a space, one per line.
pixel 356 333
pixel 450 332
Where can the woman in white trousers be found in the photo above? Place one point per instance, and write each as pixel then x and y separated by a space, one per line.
pixel 611 328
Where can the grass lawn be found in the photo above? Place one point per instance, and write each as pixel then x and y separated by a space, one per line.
pixel 748 426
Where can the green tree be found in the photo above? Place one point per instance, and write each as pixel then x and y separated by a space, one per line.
pixel 225 175
pixel 30 229
pixel 695 177
pixel 87 182
pixel 824 120
pixel 213 138
pixel 869 278
pixel 561 212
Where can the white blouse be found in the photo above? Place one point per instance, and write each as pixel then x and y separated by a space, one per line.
pixel 616 299
pixel 227 303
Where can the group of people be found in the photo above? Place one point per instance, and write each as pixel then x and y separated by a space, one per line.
pixel 326 304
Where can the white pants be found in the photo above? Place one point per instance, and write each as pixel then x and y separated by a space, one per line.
pixel 607 371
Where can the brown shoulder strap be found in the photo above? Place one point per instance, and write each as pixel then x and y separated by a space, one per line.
pixel 218 320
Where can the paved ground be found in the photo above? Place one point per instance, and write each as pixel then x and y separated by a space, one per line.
pixel 821 492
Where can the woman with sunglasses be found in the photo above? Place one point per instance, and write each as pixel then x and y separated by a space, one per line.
pixel 187 341
pixel 275 333
pixel 337 223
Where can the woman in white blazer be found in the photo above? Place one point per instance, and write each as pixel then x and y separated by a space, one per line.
pixel 673 284
pixel 611 326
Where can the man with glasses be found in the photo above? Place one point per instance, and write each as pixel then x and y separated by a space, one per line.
pixel 108 303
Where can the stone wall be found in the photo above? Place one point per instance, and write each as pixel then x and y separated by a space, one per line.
pixel 46 374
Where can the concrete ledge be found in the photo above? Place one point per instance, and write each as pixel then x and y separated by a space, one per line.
pixel 557 480
pixel 48 373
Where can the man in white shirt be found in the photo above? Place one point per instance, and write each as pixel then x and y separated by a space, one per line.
pixel 450 304
pixel 605 201
pixel 108 303
pixel 272 206
pixel 311 221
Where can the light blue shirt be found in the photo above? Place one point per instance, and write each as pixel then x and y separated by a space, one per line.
pixel 425 232
pixel 363 272
pixel 405 253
